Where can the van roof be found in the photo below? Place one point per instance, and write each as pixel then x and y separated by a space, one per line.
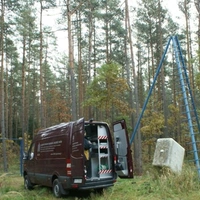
pixel 56 128
pixel 60 127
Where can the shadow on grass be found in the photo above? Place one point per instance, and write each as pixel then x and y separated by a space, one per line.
pixel 47 192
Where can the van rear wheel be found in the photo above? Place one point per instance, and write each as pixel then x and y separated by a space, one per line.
pixel 57 188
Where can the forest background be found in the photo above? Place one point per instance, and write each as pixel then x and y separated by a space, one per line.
pixel 113 51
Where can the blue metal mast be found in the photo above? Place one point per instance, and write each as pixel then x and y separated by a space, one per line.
pixel 182 72
pixel 179 61
pixel 150 91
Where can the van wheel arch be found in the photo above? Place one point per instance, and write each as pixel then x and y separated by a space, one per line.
pixel 57 188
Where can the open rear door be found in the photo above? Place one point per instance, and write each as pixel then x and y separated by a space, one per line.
pixel 77 159
pixel 124 163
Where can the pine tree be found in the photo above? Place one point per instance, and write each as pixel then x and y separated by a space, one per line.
pixel 106 92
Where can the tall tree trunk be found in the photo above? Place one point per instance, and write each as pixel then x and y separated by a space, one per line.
pixel 127 65
pixel 162 70
pixel 35 101
pixel 11 105
pixel 45 66
pixel 197 4
pixel 23 87
pixel 137 140
pixel 184 7
pixel 28 87
pixel 71 59
pixel 106 29
pixel 42 103
pixel 6 101
pixel 71 63
pixel 151 54
pixel 80 67
pixel 91 35
pixel 189 53
pixel 2 85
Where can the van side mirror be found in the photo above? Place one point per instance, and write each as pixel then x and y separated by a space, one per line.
pixel 25 156
pixel 31 155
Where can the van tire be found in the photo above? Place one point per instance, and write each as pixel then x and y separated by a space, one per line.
pixel 57 188
pixel 27 183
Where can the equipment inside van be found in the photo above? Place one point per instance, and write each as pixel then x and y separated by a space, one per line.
pixel 57 157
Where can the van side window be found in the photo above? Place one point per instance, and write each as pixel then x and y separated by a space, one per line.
pixel 31 151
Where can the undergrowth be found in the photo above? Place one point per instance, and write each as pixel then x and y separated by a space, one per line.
pixel 155 184
pixel 162 181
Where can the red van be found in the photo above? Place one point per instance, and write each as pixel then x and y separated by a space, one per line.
pixel 56 157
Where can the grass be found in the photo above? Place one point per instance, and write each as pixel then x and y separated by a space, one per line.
pixel 155 184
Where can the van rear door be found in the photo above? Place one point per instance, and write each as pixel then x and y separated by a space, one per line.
pixel 124 163
pixel 77 158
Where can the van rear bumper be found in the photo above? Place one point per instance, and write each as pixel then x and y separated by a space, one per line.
pixel 97 184
pixel 92 183
pixel 89 184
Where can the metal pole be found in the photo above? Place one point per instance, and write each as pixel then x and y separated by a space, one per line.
pixel 186 106
pixel 150 91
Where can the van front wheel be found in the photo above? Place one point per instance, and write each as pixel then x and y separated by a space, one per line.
pixel 27 183
pixel 57 188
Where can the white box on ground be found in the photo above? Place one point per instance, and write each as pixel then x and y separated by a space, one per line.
pixel 169 153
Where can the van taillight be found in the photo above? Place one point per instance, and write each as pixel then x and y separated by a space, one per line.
pixel 68 167
pixel 115 159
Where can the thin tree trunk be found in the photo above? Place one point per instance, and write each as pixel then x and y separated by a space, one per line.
pixel 35 110
pixel 11 105
pixel 137 140
pixel 184 7
pixel 197 5
pixel 91 35
pixel 71 63
pixel 42 103
pixel 130 100
pixel 162 71
pixel 47 117
pixel 71 59
pixel 80 67
pixel 106 24
pixel 6 101
pixel 188 41
pixel 23 88
pixel 151 71
pixel 29 87
pixel 2 87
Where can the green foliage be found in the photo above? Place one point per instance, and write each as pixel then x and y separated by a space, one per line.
pixel 57 107
pixel 108 90
pixel 12 154
pixel 153 123
pixel 197 80
pixel 173 120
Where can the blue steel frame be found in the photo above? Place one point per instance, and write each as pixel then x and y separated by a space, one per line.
pixel 180 63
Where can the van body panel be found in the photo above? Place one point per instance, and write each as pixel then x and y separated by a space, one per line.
pixel 51 152
pixel 57 152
